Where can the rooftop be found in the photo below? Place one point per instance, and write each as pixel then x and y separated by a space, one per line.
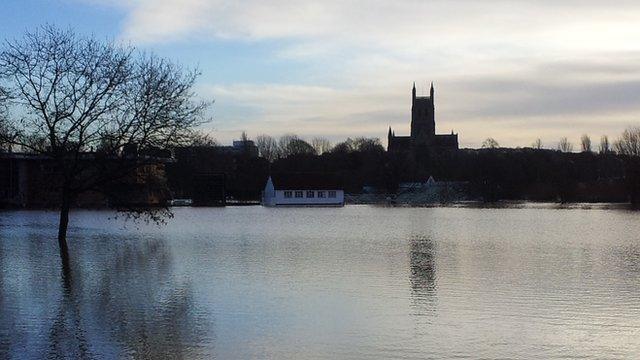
pixel 306 181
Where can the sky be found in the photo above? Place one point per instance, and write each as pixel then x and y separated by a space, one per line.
pixel 508 69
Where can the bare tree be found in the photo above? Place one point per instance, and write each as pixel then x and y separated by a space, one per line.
pixel 267 147
pixel 200 138
pixel 283 144
pixel 564 145
pixel 605 147
pixel 291 144
pixel 77 93
pixel 364 144
pixel 5 143
pixel 490 143
pixel 585 143
pixel 629 142
pixel 346 146
pixel 359 144
pixel 537 144
pixel 300 147
pixel 321 145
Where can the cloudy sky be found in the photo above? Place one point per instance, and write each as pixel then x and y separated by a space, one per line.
pixel 509 69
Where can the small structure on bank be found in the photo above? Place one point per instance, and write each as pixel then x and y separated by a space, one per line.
pixel 303 189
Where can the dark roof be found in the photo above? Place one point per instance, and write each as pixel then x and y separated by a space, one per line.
pixel 306 181
pixel 401 140
pixel 447 140
pixel 399 143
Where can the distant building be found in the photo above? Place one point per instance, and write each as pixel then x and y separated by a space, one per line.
pixel 240 147
pixel 297 189
pixel 423 128
pixel 32 181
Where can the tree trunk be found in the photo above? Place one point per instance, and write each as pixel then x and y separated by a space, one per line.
pixel 62 230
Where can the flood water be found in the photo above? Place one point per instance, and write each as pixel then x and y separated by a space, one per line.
pixel 350 283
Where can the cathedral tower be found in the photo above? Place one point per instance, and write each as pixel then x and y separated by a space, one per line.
pixel 423 125
pixel 423 128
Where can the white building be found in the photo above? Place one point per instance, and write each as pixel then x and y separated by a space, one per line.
pixel 298 189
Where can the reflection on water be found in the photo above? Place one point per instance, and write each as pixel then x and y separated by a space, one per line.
pixel 355 282
pixel 117 299
pixel 423 273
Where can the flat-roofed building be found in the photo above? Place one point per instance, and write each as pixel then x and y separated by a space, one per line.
pixel 303 189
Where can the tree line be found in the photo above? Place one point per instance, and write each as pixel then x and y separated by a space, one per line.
pixel 492 173
pixel 272 148
pixel 628 143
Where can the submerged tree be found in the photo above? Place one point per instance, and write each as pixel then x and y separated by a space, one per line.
pixel 91 107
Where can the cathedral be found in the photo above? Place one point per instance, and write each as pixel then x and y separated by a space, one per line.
pixel 423 128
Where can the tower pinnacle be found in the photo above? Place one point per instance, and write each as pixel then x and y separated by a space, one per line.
pixel 414 91
pixel 431 91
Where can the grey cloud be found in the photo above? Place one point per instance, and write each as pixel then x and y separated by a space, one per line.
pixel 550 89
pixel 540 99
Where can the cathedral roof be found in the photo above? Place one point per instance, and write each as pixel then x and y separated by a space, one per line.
pixel 447 140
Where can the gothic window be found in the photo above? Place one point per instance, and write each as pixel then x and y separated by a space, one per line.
pixel 310 194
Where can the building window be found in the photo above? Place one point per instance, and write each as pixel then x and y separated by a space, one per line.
pixel 310 194
pixel 298 194
pixel 288 194
pixel 332 194
pixel 320 194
